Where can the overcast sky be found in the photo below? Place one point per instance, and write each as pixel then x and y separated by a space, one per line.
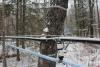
pixel 0 0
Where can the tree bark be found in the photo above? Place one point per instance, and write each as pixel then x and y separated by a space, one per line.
pixel 98 22
pixel 22 28
pixel 55 23
pixel 91 6
pixel 47 50
pixel 17 29
pixel 3 33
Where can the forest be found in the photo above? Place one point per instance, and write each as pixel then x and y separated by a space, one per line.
pixel 49 33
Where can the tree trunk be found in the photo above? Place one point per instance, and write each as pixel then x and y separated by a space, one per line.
pixel 48 48
pixel 55 23
pixel 4 51
pixel 80 16
pixel 91 6
pixel 3 33
pixel 17 29
pixel 98 17
pixel 22 28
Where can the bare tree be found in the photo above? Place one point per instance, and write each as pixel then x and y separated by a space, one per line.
pixel 3 33
pixel 23 24
pixel 17 28
pixel 81 17
pixel 91 6
pixel 98 17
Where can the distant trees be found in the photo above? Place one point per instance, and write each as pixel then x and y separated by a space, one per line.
pixel 27 21
pixel 84 14
pixel 81 16
pixel 8 9
pixel 27 14
pixel 34 20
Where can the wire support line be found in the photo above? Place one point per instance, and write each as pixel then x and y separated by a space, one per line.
pixel 46 57
pixel 40 35
pixel 73 39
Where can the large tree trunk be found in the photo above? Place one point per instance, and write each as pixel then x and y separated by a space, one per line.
pixel 47 48
pixel 55 18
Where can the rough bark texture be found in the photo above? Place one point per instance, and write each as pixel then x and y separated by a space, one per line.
pixel 91 6
pixel 98 17
pixel 22 28
pixel 0 21
pixel 81 15
pixel 3 34
pixel 55 21
pixel 48 48
pixel 20 23
pixel 17 28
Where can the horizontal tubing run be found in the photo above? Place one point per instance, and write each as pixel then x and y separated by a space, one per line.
pixel 46 57
pixel 74 39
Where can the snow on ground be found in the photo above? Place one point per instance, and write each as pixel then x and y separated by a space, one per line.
pixel 26 61
pixel 84 54
pixel 77 52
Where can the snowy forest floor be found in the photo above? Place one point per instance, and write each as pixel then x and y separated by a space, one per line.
pixel 87 55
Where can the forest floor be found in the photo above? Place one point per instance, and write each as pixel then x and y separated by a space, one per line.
pixel 79 53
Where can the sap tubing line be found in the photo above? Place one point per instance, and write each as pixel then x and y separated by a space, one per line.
pixel 47 57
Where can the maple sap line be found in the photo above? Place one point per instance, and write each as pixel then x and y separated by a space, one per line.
pixel 46 57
